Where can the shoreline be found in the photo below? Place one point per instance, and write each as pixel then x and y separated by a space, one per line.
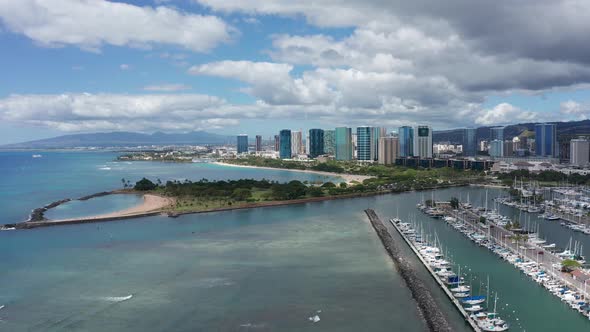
pixel 151 203
pixel 348 178
pixel 171 214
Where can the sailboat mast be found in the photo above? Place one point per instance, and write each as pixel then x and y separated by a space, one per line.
pixel 488 293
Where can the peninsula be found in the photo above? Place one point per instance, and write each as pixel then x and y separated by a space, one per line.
pixel 175 198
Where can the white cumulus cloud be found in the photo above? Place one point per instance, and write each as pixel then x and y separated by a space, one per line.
pixel 85 111
pixel 167 87
pixel 90 24
pixel 504 113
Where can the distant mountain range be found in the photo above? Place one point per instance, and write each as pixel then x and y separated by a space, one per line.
pixel 565 130
pixel 122 139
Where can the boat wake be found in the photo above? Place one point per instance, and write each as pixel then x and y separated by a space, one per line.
pixel 117 298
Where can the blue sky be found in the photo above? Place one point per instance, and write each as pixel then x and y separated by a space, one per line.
pixel 259 66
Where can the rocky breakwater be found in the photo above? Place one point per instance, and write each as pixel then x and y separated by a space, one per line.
pixel 435 319
pixel 38 214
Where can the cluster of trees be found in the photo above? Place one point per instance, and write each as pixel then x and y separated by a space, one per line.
pixel 239 190
pixel 328 167
pixel 404 178
pixel 242 190
pixel 545 176
pixel 145 185
pixel 268 162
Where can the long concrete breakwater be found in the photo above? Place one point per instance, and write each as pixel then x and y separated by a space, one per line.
pixel 433 316
pixel 438 280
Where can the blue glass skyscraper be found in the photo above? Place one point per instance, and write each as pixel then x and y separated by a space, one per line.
pixel 364 143
pixel 546 140
pixel 285 144
pixel 469 142
pixel 406 141
pixel 316 142
pixel 242 143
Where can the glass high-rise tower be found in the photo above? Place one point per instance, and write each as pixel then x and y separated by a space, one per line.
pixel 316 142
pixel 423 142
pixel 243 143
pixel 546 140
pixel 376 134
pixel 285 144
pixel 258 143
pixel 343 139
pixel 364 143
pixel 406 141
pixel 470 142
pixel 329 142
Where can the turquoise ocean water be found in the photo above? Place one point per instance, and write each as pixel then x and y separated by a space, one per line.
pixel 265 269
pixel 27 183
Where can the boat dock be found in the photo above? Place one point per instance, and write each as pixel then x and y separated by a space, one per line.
pixel 532 252
pixel 434 318
pixel 441 284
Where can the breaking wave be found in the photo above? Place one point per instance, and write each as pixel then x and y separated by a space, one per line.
pixel 117 298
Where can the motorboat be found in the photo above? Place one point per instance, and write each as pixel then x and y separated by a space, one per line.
pixel 461 295
pixel 460 289
pixel 473 300
pixel 475 308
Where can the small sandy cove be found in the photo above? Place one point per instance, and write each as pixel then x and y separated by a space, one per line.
pixel 151 203
pixel 349 178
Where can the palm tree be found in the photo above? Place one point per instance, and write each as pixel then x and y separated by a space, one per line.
pixel 568 265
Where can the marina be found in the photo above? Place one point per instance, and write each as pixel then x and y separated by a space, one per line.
pixel 524 250
pixel 452 284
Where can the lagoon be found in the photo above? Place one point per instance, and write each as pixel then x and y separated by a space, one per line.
pixel 27 183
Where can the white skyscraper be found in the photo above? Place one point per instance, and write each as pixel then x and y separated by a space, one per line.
pixel 423 142
pixel 579 152
pixel 296 143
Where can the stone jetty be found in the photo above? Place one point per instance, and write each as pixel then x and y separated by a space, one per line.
pixel 435 319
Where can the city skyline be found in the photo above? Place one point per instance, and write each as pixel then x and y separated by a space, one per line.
pixel 375 144
pixel 247 67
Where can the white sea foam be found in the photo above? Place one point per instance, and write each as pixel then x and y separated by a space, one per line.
pixel 213 282
pixel 105 168
pixel 1 307
pixel 117 298
pixel 254 326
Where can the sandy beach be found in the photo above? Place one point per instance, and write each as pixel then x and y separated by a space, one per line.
pixel 348 178
pixel 151 203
